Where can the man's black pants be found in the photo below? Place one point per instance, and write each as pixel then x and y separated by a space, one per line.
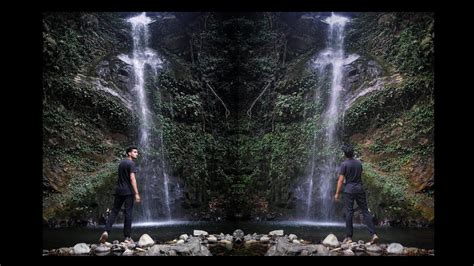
pixel 118 202
pixel 349 199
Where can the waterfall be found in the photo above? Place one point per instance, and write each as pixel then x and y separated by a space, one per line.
pixel 323 165
pixel 152 177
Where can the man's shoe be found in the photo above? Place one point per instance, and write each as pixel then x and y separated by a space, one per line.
pixel 374 239
pixel 104 237
pixel 347 240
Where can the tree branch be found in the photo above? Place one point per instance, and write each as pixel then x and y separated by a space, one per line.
pixel 249 111
pixel 227 112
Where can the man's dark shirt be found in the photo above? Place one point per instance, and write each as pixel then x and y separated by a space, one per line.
pixel 124 184
pixel 351 169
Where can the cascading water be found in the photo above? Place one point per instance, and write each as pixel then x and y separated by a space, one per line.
pixel 323 166
pixel 153 180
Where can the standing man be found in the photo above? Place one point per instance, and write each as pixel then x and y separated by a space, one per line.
pixel 351 171
pixel 125 192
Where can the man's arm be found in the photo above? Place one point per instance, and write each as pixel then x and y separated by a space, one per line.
pixel 135 188
pixel 340 181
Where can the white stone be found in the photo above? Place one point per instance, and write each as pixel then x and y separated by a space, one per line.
pixel 81 249
pixel 184 237
pixel 276 233
pixel 395 248
pixel 200 232
pixel 145 241
pixel 331 240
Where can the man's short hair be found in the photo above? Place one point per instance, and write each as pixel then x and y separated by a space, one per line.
pixel 348 151
pixel 130 148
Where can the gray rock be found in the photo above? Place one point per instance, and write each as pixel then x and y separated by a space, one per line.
pixel 179 242
pixel 346 246
pixel 348 252
pixel 130 245
pixel 229 238
pixel 64 251
pixel 117 248
pixel 248 238
pixel 145 241
pixel 295 241
pixel 192 248
pixel 395 249
pixel 271 251
pixel 264 239
pixel 157 250
pixel 81 249
pixel 283 247
pixel 172 253
pixel 358 248
pixel 115 242
pixel 321 250
pixel 331 241
pixel 276 233
pixel 304 253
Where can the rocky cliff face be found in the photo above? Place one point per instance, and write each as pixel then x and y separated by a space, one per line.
pixel 390 112
pixel 87 118
pixel 238 110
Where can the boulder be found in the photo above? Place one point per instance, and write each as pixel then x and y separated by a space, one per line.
pixel 395 249
pixel 331 241
pixel 81 249
pixel 145 241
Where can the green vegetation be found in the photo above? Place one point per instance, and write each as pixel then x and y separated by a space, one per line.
pixel 239 107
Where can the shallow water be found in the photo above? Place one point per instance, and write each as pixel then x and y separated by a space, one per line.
pixel 169 230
